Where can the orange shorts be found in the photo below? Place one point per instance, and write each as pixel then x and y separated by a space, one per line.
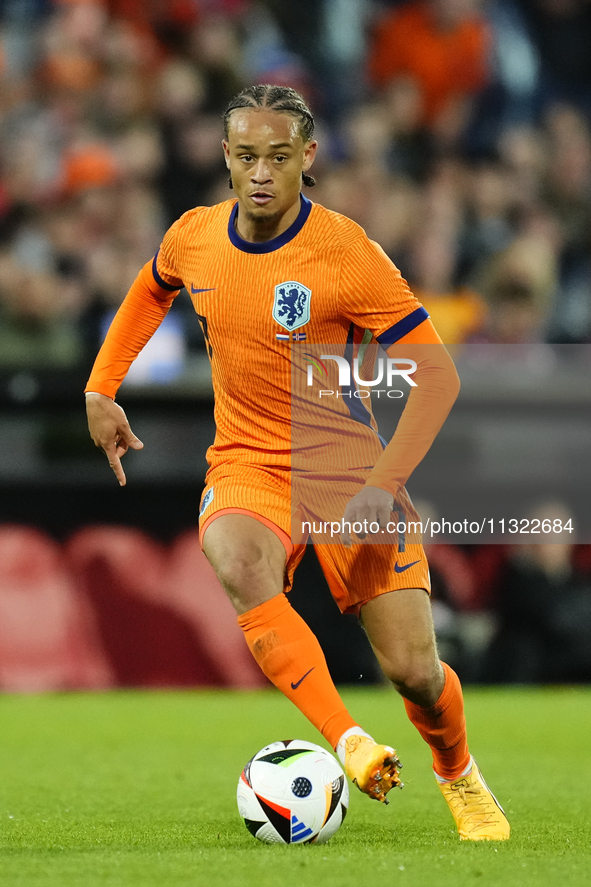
pixel 292 509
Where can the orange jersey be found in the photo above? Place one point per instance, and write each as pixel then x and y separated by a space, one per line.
pixel 321 281
pixel 262 307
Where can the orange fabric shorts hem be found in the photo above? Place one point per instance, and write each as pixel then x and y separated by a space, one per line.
pixel 354 576
pixel 284 538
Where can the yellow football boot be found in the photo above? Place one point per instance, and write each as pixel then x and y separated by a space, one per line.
pixel 372 767
pixel 478 814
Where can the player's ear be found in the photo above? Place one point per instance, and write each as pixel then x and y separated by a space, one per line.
pixel 226 148
pixel 309 154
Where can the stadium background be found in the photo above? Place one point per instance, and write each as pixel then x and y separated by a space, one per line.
pixel 460 139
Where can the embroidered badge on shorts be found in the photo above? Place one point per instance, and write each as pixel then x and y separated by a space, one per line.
pixel 207 499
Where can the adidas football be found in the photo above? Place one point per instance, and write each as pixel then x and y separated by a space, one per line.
pixel 293 792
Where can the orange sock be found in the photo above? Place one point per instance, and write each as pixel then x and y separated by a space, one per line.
pixel 291 657
pixel 443 727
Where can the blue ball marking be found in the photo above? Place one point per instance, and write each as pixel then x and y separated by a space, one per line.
pixel 301 787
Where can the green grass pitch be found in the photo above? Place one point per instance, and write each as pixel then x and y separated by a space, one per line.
pixel 138 788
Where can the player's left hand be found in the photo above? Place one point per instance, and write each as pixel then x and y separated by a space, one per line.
pixel 371 505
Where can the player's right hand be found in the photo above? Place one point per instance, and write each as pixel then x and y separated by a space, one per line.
pixel 110 431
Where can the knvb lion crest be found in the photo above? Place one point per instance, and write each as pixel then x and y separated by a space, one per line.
pixel 291 307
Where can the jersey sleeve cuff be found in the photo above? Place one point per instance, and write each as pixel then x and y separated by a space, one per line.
pixel 390 486
pixel 108 389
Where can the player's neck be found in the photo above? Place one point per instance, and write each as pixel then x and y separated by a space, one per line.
pixel 257 230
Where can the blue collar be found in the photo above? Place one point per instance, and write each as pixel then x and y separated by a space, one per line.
pixel 269 246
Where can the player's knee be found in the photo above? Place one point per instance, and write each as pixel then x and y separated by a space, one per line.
pixel 248 577
pixel 418 678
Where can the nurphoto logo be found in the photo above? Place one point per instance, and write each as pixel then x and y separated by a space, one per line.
pixel 390 367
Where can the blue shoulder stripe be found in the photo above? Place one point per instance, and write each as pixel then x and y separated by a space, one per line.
pixel 159 280
pixel 403 327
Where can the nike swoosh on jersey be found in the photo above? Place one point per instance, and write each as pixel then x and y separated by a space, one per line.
pixel 206 290
pixel 297 684
pixel 398 569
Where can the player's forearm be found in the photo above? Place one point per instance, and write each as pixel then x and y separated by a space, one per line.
pixel 427 408
pixel 136 321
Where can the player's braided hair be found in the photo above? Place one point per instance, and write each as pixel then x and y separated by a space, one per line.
pixel 275 98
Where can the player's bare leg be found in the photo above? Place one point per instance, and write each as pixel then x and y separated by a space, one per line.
pixel 248 558
pixel 404 642
pixel 250 562
pixel 400 628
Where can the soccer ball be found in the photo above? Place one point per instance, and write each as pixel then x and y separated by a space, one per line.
pixel 293 792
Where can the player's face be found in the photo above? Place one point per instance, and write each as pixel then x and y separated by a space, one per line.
pixel 266 155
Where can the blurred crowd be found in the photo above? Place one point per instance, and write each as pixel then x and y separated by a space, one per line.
pixel 514 613
pixel 457 132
